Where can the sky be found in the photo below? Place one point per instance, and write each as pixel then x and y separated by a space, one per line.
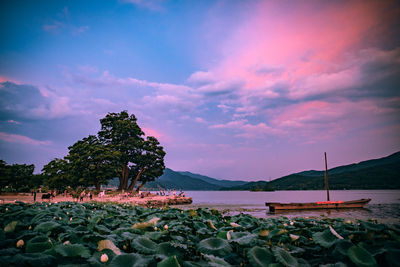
pixel 239 90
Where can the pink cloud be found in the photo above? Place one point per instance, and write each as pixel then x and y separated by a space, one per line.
pixel 248 130
pixel 303 41
pixel 59 107
pixel 7 79
pixel 200 120
pixel 20 139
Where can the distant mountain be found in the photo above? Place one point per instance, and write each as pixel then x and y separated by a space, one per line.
pixel 185 181
pixel 394 158
pixel 176 180
pixel 383 173
pixel 221 183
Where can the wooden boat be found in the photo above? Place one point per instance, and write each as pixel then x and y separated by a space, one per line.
pixel 360 203
pixel 274 206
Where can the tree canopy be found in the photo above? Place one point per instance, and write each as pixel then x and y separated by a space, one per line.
pixel 120 149
pixel 18 177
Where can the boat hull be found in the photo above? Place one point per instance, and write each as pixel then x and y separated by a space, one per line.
pixel 274 206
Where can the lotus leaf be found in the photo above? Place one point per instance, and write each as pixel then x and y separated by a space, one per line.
pixel 337 264
pixel 34 259
pixel 95 260
pixel 303 263
pixel 243 238
pixel 131 260
pixel 260 257
pixel 10 227
pixel 76 221
pixel 144 245
pixel 154 235
pixel 194 264
pixel 144 225
pixel 215 246
pixel 361 257
pixel 102 229
pixel 275 232
pixel 45 227
pixel 373 226
pixel 199 225
pixel 216 261
pixel 165 250
pixel 296 250
pixel 248 222
pixel 38 244
pixel 392 257
pixel 325 238
pixel 73 250
pixel 108 244
pixel 169 262
pixel 222 235
pixel 9 251
pixel 284 257
pixel 340 250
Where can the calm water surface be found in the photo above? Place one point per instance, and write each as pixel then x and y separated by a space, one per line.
pixel 384 206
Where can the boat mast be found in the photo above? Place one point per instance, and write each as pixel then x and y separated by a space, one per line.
pixel 326 179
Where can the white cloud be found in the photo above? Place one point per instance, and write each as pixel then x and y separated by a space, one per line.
pixel 20 139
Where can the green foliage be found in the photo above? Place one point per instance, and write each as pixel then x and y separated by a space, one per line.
pixel 119 149
pixel 18 177
pixel 93 162
pixel 189 240
pixel 57 174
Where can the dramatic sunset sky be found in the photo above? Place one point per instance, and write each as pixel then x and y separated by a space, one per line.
pixel 249 90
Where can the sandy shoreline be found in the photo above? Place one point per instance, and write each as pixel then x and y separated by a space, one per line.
pixel 146 201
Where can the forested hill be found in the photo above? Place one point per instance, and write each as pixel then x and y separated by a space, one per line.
pixel 383 173
pixel 189 181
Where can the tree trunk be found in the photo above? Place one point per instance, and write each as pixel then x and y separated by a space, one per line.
pixel 97 186
pixel 132 185
pixel 140 186
pixel 123 182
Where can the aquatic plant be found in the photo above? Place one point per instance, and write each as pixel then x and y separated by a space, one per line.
pixel 122 235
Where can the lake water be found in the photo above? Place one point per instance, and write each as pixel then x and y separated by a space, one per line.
pixel 384 205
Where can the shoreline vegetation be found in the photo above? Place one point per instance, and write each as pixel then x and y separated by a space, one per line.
pixel 106 233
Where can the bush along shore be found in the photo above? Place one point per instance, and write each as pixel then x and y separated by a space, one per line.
pixel 97 234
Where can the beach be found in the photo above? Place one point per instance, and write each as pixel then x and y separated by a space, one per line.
pixel 151 200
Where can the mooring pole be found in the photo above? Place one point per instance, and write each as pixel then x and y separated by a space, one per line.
pixel 326 179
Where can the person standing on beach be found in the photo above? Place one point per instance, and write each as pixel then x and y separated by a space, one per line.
pixel 82 195
pixel 34 195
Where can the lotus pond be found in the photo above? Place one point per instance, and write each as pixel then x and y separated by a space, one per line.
pixel 93 234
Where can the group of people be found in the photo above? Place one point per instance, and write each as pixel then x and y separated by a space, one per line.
pixel 83 194
pixel 49 195
pixel 171 193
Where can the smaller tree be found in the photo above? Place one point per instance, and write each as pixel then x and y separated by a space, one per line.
pixel 56 174
pixel 93 162
pixel 5 174
pixel 21 176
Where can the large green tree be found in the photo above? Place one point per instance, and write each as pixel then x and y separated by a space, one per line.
pixel 121 133
pixel 93 162
pixel 150 164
